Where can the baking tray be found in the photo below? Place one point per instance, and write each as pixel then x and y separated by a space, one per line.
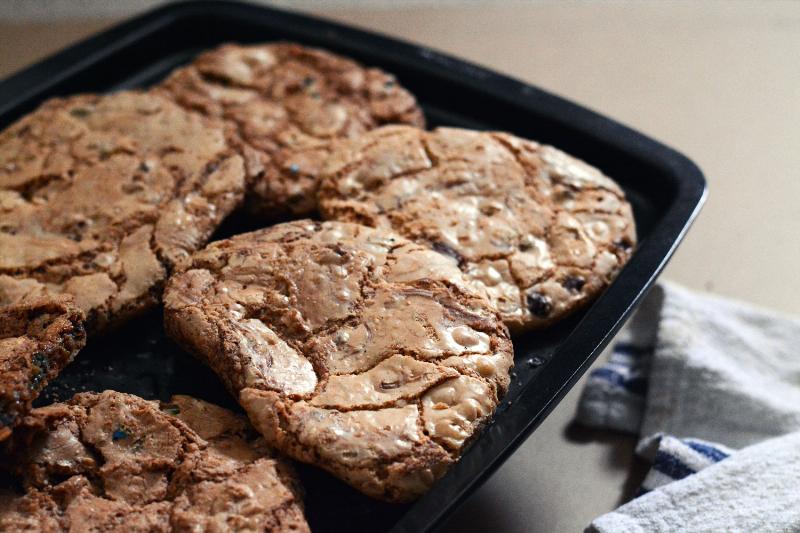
pixel 664 187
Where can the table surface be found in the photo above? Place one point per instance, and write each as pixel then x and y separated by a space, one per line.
pixel 719 81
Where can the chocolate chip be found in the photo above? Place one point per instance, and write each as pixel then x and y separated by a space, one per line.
pixel 119 434
pixel 144 167
pixel 42 365
pixel 79 112
pixel 539 304
pixel 308 81
pixel 6 419
pixel 211 167
pixel 623 244
pixel 388 385
pixel 445 249
pixel 574 283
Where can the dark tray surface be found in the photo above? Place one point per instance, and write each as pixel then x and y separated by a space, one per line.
pixel 665 189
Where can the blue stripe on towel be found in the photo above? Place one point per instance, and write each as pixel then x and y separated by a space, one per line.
pixel 636 385
pixel 711 452
pixel 671 466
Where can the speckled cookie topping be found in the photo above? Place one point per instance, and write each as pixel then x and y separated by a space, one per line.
pixel 115 462
pixel 38 338
pixel 540 231
pixel 349 347
pixel 101 195
pixel 286 101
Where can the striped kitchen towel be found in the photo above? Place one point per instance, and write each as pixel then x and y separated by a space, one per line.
pixel 673 458
pixel 698 366
pixel 615 393
pixel 689 371
pixel 614 397
pixel 754 490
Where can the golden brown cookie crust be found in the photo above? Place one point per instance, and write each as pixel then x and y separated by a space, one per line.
pixel 286 101
pixel 101 195
pixel 350 348
pixel 115 462
pixel 540 231
pixel 38 338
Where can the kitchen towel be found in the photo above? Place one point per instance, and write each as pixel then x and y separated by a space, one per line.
pixel 755 489
pixel 699 376
pixel 673 458
pixel 700 366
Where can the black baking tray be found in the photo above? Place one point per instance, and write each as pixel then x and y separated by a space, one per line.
pixel 665 188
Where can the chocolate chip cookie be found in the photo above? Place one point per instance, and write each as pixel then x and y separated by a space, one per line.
pixel 115 462
pixel 540 231
pixel 286 101
pixel 349 347
pixel 101 195
pixel 38 338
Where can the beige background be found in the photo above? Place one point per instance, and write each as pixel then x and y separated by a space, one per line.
pixel 719 81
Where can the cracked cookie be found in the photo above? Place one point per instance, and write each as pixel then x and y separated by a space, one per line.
pixel 286 101
pixel 540 231
pixel 101 195
pixel 350 348
pixel 38 338
pixel 115 462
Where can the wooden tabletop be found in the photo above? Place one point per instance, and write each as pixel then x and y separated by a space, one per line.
pixel 719 81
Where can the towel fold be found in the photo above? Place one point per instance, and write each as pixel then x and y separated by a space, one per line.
pixel 673 458
pixel 755 489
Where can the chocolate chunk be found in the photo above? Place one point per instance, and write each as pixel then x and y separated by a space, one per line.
pixel 623 244
pixel 574 283
pixel 79 112
pixel 6 419
pixel 444 249
pixel 539 304
pixel 42 365
pixel 388 385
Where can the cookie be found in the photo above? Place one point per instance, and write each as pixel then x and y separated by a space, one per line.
pixel 286 101
pixel 115 462
pixel 540 231
pixel 38 338
pixel 101 195
pixel 350 348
